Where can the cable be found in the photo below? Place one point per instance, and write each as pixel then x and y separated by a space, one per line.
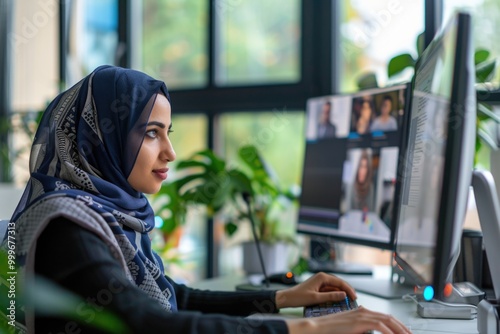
pixel 246 198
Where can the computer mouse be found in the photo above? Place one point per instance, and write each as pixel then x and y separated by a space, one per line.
pixel 287 278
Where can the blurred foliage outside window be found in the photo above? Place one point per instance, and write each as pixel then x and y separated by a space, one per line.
pixel 259 41
pixel 174 41
pixel 372 32
pixel 485 25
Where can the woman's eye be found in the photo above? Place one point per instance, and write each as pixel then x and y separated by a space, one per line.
pixel 152 133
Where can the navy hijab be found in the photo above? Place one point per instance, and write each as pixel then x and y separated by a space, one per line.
pixel 85 148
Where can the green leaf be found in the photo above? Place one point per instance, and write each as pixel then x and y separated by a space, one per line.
pixel 52 300
pixel 399 63
pixel 191 163
pixel 169 224
pixel 216 163
pixel 480 56
pixel 251 157
pixel 420 43
pixel 240 181
pixel 485 71
pixel 300 267
pixel 366 81
pixel 230 228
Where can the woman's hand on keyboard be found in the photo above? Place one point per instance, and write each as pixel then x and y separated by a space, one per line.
pixel 356 321
pixel 320 288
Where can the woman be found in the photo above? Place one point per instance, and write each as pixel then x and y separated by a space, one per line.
pixel 83 223
pixel 365 118
pixel 363 190
pixel 385 122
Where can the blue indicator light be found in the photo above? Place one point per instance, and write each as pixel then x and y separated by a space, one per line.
pixel 158 222
pixel 428 293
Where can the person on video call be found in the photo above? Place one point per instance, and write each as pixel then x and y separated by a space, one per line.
pixel 365 117
pixel 83 224
pixel 362 192
pixel 385 121
pixel 325 128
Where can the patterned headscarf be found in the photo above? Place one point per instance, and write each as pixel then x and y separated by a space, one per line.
pixel 84 150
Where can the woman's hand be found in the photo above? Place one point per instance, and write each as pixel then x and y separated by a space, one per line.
pixel 356 321
pixel 319 288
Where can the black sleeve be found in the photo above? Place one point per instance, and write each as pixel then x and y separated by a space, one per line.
pixel 232 303
pixel 80 261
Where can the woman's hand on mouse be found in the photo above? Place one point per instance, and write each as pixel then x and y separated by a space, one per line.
pixel 319 288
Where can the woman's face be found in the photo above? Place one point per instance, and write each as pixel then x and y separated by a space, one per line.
pixel 150 168
pixel 366 111
pixel 386 107
pixel 362 170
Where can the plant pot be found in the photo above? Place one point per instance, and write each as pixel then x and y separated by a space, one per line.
pixel 275 257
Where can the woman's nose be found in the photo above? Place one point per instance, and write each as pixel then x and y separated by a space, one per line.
pixel 168 152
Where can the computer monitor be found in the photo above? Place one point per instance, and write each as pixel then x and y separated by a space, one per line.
pixel 349 182
pixel 439 159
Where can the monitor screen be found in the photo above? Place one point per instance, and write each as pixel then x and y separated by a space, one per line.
pixel 353 145
pixel 439 158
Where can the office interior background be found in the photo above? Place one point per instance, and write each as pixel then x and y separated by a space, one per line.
pixel 239 72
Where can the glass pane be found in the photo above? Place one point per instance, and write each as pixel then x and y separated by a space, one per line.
pixel 485 25
pixel 35 79
pixel 258 41
pixel 185 262
pixel 174 41
pixel 34 55
pixel 372 32
pixel 93 37
pixel 279 137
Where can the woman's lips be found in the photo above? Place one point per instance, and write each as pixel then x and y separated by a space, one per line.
pixel 161 173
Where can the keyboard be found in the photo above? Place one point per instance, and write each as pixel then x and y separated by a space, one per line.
pixel 329 308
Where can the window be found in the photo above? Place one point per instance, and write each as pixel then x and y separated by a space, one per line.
pixel 485 25
pixel 35 80
pixel 174 41
pixel 372 32
pixel 259 41
pixel 94 37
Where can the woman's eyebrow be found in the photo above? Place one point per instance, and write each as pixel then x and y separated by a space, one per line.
pixel 159 124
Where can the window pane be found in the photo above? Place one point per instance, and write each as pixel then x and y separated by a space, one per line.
pixel 279 137
pixel 259 41
pixel 189 136
pixel 174 41
pixel 372 32
pixel 34 54
pixel 35 76
pixel 485 25
pixel 93 37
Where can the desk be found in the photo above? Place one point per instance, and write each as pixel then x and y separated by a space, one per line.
pixel 403 310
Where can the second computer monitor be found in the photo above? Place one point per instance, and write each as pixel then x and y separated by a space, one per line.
pixel 353 147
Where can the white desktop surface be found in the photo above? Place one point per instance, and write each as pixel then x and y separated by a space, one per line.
pixel 403 310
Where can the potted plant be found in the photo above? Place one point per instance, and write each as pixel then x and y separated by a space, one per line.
pixel 207 180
